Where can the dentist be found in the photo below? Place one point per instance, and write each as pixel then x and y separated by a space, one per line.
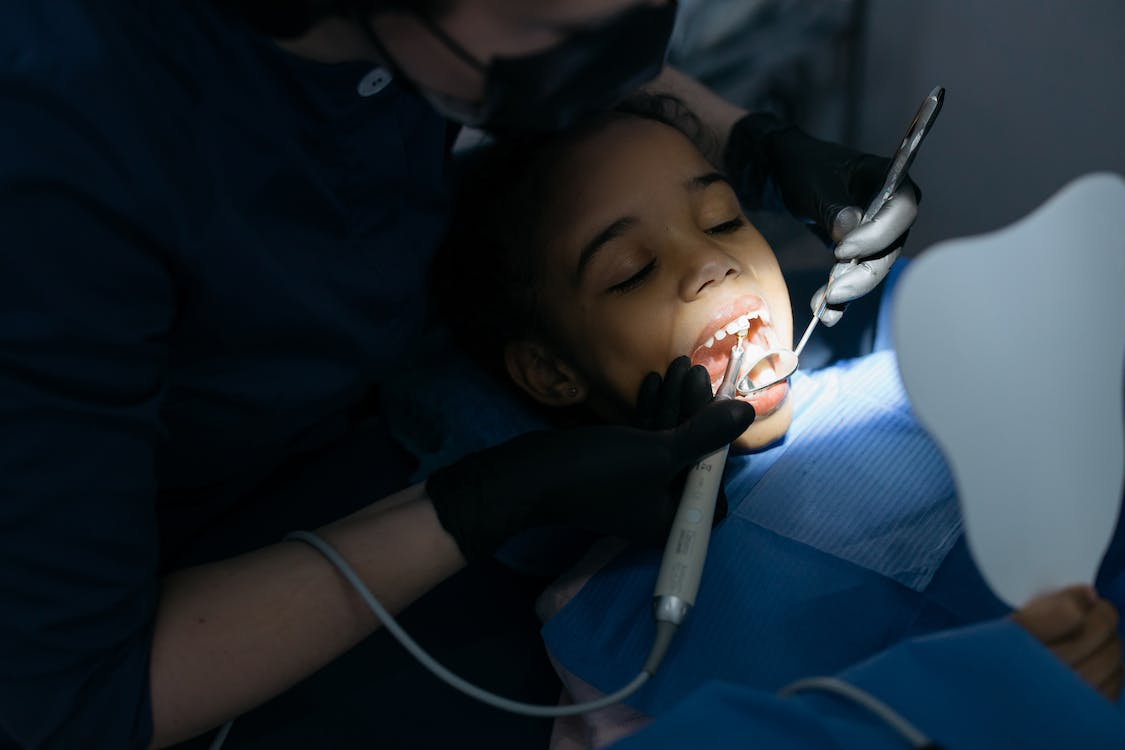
pixel 217 222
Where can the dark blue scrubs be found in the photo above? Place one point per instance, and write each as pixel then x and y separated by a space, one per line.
pixel 210 251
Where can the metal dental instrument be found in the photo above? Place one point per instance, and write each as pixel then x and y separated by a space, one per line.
pixel 682 566
pixel 783 363
pixel 904 157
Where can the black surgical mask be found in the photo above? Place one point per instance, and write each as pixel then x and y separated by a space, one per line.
pixel 589 71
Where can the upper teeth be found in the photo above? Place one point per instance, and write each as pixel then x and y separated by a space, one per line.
pixel 741 323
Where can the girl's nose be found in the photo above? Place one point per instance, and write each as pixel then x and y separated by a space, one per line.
pixel 703 268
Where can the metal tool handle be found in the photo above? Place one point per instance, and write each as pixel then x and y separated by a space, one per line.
pixel 919 128
pixel 907 150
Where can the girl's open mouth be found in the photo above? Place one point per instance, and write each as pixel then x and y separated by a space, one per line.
pixel 714 354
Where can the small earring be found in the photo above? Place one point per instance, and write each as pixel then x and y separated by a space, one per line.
pixel 573 391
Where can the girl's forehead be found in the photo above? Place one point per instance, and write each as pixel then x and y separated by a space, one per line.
pixel 626 170
pixel 627 155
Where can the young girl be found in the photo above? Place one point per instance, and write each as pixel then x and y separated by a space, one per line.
pixel 617 248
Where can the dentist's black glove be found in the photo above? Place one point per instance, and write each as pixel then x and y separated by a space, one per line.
pixel 616 480
pixel 827 186
pixel 665 402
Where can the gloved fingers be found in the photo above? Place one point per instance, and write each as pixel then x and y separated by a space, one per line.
pixel 671 394
pixel 845 221
pixel 648 400
pixel 656 519
pixel 696 392
pixel 715 425
pixel 884 230
pixel 831 315
pixel 852 282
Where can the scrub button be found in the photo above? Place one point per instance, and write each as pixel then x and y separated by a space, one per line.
pixel 375 81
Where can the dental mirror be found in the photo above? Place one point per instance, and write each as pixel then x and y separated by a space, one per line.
pixel 772 368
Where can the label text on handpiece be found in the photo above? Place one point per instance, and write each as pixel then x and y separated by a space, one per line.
pixel 684 542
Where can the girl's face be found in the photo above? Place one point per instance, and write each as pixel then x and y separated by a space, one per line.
pixel 647 256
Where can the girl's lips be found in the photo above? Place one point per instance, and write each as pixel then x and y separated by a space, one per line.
pixel 715 357
pixel 761 338
pixel 767 401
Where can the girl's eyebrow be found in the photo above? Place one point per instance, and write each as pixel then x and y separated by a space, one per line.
pixel 696 184
pixel 613 231
pixel 625 223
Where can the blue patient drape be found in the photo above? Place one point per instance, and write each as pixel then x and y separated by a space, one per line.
pixel 842 539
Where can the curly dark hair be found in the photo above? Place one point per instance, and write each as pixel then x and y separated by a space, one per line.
pixel 486 277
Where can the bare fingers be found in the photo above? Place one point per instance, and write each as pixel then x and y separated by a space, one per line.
pixel 1056 616
pixel 1081 630
pixel 1098 629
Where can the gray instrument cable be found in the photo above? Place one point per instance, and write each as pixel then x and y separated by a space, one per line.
pixel 892 718
pixel 664 633
pixel 660 646
pixel 674 596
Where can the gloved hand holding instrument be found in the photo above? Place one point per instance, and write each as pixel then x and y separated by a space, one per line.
pixel 617 480
pixel 823 184
pixel 624 481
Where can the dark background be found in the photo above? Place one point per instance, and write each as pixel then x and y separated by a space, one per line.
pixel 1035 92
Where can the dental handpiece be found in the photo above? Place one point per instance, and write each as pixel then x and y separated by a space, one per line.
pixel 682 566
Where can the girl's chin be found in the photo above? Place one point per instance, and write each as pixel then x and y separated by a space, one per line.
pixel 767 429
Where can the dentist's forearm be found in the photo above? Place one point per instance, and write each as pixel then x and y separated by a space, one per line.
pixel 232 634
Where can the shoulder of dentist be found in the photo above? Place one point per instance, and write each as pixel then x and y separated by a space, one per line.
pixel 217 222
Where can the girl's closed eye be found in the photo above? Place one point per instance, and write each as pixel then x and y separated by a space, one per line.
pixel 726 227
pixel 635 280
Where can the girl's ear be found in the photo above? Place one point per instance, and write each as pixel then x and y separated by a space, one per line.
pixel 544 375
